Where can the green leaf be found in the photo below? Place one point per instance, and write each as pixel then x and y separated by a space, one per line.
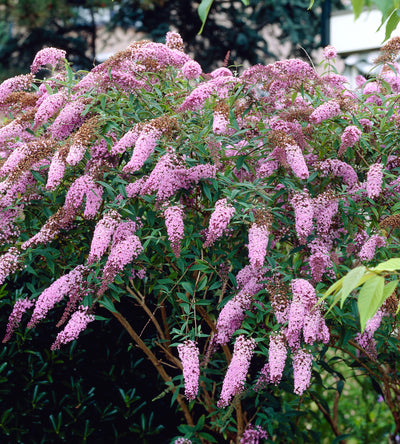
pixel 334 287
pixel 390 265
pixel 108 304
pixel 358 6
pixel 202 11
pixel 370 299
pixel 391 25
pixel 188 286
pixel 202 284
pixel 350 282
pixel 389 289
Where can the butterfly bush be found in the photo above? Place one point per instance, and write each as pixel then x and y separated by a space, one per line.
pixel 223 205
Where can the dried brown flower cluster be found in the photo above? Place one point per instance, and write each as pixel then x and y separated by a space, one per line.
pixel 20 100
pixel 389 51
pixel 263 218
pixel 278 297
pixel 34 152
pixel 165 124
pixel 391 303
pixel 279 138
pixel 222 108
pixel 120 57
pixel 87 132
pixel 296 114
pixel 392 221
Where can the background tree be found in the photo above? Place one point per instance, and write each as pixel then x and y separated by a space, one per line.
pixel 27 26
pixel 231 27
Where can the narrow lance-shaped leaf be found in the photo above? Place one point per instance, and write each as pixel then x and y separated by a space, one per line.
pixel 203 10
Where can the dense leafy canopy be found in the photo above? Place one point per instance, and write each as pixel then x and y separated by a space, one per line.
pixel 223 206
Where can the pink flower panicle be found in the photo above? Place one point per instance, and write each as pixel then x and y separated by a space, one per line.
pixel 219 221
pixel 303 212
pixel 125 247
pixel 49 107
pixel 367 251
pixel 220 123
pixel 220 72
pixel 302 363
pixel 236 374
pixel 219 85
pixel 135 188
pixel 63 286
pixel 76 152
pixel 189 355
pixel 56 171
pixel 127 140
pixel 144 146
pixel 102 236
pixel 13 130
pixel 330 52
pixel 47 56
pixel 173 40
pixel 231 316
pixel 320 261
pixel 315 328
pixel 175 227
pixel 253 434
pixel 277 357
pixel 325 111
pixel 296 323
pixel 183 441
pixel 258 243
pixel 70 117
pixel 296 161
pixel 374 180
pixel 20 307
pixel 366 339
pixel 303 291
pixel 351 135
pixel 264 378
pixel 17 83
pixel 341 169
pixel 8 263
pixel 191 70
pixel 372 90
pixel 83 186
pixel 325 207
pixel 302 305
pixel 169 175
pixel 77 323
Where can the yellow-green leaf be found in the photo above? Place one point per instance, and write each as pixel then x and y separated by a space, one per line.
pixel 370 299
pixel 350 282
pixel 390 265
pixel 334 287
pixel 358 6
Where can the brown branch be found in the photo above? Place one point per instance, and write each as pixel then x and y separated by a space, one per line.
pixel 165 323
pixel 328 417
pixel 155 362
pixel 150 314
pixel 336 407
pixel 239 419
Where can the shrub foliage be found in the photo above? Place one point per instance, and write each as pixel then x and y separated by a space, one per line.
pixel 224 207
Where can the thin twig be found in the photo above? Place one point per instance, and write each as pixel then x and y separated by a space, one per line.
pixel 153 359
